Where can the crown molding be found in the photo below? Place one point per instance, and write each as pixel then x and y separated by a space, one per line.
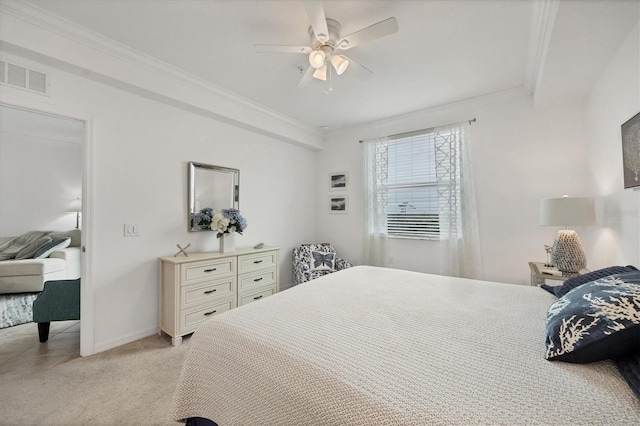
pixel 117 52
pixel 465 106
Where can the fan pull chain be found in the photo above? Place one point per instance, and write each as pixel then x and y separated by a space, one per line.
pixel 330 89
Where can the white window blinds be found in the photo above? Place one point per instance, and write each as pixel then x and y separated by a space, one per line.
pixel 419 185
pixel 416 179
pixel 412 196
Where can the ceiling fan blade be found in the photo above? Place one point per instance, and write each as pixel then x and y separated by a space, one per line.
pixel 318 20
pixel 306 78
pixel 281 48
pixel 357 70
pixel 372 32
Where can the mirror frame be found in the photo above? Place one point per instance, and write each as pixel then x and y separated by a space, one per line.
pixel 235 189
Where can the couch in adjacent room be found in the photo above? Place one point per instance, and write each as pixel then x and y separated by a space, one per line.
pixel 29 260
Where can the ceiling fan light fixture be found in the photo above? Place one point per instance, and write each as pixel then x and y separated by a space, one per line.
pixel 340 63
pixel 316 58
pixel 321 73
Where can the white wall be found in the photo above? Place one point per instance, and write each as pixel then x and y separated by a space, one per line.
pixel 141 148
pixel 520 155
pixel 613 100
pixel 40 174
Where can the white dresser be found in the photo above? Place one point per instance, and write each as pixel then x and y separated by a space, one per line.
pixel 194 288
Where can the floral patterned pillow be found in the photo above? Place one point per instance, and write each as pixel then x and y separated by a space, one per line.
pixel 596 321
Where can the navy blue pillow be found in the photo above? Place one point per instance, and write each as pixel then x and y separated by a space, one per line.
pixel 629 367
pixel 596 321
pixel 571 283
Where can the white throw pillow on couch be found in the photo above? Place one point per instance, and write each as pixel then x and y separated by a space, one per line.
pixel 30 250
pixel 11 248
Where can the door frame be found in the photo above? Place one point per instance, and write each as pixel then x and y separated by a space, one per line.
pixel 87 346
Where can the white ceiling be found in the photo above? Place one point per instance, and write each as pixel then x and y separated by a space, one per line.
pixel 444 51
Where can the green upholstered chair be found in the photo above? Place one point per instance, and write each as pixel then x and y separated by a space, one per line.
pixel 59 301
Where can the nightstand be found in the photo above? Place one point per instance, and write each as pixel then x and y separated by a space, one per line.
pixel 550 273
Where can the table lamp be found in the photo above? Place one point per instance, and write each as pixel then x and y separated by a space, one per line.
pixel 567 255
pixel 75 206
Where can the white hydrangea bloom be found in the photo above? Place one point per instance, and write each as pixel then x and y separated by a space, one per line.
pixel 219 222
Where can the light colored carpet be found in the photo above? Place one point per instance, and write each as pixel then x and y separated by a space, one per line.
pixel 132 384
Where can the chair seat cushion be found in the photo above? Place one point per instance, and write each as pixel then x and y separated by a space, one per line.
pixel 12 268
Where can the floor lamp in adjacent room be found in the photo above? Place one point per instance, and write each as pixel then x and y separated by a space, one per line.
pixel 76 207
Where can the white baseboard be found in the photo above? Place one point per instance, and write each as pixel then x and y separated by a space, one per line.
pixel 131 337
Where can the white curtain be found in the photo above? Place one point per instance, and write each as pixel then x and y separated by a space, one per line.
pixel 459 234
pixel 375 212
pixel 459 237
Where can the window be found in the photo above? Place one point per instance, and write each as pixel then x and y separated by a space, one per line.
pixel 412 195
pixel 419 185
pixel 414 184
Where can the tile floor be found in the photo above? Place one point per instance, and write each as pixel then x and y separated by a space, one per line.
pixel 20 347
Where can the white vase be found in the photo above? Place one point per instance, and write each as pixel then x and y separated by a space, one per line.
pixel 227 243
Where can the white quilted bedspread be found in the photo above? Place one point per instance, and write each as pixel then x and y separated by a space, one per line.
pixel 374 346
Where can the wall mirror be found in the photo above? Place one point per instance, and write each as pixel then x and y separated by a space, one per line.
pixel 211 189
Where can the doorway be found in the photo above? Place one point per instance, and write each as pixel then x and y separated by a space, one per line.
pixel 42 187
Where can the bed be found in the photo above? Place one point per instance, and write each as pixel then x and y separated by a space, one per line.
pixel 376 346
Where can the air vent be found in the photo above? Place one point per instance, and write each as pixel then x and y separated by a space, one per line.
pixel 17 76
pixel 24 77
pixel 37 81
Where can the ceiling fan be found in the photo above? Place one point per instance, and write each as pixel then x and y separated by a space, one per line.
pixel 326 41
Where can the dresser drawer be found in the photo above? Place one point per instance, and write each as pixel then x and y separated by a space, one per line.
pixel 199 286
pixel 192 318
pixel 254 262
pixel 206 269
pixel 195 294
pixel 254 297
pixel 260 278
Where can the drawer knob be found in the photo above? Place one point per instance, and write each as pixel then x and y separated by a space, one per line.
pixel 257 279
pixel 209 313
pixel 210 270
pixel 258 297
pixel 210 291
pixel 257 261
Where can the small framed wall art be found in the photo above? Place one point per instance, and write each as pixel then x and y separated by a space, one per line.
pixel 339 181
pixel 339 204
pixel 631 151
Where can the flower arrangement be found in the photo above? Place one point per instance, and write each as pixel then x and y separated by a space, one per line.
pixel 203 218
pixel 228 221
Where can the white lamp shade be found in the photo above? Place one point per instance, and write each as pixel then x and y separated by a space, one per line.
pixel 321 73
pixel 316 58
pixel 75 206
pixel 340 63
pixel 567 211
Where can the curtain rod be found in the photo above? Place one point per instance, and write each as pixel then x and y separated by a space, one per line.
pixel 415 132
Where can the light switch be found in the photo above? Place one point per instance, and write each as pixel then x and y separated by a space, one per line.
pixel 131 230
